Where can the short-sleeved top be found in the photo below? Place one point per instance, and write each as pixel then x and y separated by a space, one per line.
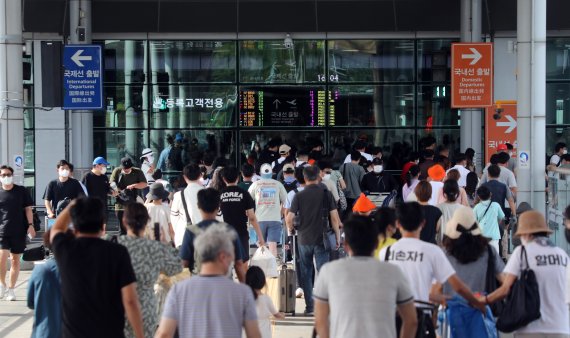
pixel 421 262
pixel 234 202
pixel 363 306
pixel 187 247
pixel 352 174
pixel 97 185
pixel 245 185
pixel 310 205
pixel 123 180
pixel 44 296
pixel 473 273
pixel 499 192
pixel 432 215
pixel 265 310
pixel 12 204
pixel 57 191
pixel 435 188
pixel 290 195
pixel 463 172
pixel 159 214
pixel 268 195
pixel 179 221
pixel 506 177
pixel 93 272
pixel 550 265
pixel 447 211
pixel 489 221
pixel 210 306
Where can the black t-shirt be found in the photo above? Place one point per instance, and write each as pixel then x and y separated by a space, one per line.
pixel 57 191
pixel 245 185
pixel 310 204
pixel 234 202
pixel 378 183
pixel 498 192
pixel 97 185
pixel 432 215
pixel 12 204
pixel 93 272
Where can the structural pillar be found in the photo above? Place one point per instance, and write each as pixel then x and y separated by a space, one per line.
pixel 11 85
pixel 81 144
pixel 471 119
pixel 531 100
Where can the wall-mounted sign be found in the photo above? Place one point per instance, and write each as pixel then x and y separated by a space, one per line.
pixel 82 77
pixel 471 75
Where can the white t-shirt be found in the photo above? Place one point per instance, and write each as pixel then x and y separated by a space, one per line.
pixel 268 195
pixel 265 311
pixel 178 215
pixel 550 265
pixel 555 159
pixel 422 263
pixel 159 214
pixel 463 172
pixel 435 188
pixel 367 156
pixel 145 167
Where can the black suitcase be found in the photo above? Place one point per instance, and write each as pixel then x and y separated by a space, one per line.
pixel 287 284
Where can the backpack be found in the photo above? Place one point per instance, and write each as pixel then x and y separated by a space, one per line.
pixel 61 205
pixel 342 204
pixel 195 230
pixel 277 166
pixel 174 159
pixel 289 186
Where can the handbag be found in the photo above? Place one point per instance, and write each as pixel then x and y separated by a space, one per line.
pixel 35 252
pixel 491 283
pixel 523 302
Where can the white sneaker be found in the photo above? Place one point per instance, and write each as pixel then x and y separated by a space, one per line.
pixel 10 295
pixel 299 293
pixel 2 291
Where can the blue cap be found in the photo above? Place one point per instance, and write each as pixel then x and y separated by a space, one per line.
pixel 179 137
pixel 100 160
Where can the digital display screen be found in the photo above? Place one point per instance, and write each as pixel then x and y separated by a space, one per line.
pixel 283 106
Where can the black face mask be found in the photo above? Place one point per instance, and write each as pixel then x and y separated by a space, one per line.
pixel 567 234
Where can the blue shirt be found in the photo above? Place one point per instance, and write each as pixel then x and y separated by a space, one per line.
pixel 161 164
pixel 44 297
pixel 489 221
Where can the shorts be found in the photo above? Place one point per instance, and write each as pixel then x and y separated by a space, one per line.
pixel 16 245
pixel 271 231
pixel 244 240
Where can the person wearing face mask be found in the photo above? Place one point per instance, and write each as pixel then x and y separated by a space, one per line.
pixel 377 180
pixel 559 150
pixel 96 181
pixel 549 264
pixel 147 166
pixel 64 187
pixel 13 228
pixel 325 173
pixel 126 180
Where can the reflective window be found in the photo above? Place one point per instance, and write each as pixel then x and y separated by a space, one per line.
pixel 434 60
pixel 558 59
pixel 193 61
pixel 125 107
pixel 270 61
pixel 195 145
pixel 555 135
pixel 434 107
pixel 371 60
pixel 283 106
pixel 447 137
pixel 29 151
pixel 124 61
pixel 193 106
pixel 371 105
pixel 558 103
pixel 116 144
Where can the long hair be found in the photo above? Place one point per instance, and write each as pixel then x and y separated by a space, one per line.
pixel 467 248
pixel 412 172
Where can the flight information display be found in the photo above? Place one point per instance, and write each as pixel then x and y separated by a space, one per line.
pixel 283 106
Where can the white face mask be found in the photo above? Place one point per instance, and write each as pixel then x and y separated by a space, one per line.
pixel 150 159
pixel 378 169
pixel 103 170
pixel 565 151
pixel 7 180
pixel 327 176
pixel 64 173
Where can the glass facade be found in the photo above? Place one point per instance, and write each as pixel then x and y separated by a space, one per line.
pixel 557 92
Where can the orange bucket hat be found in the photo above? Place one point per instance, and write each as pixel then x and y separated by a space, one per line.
pixel 363 204
pixel 436 172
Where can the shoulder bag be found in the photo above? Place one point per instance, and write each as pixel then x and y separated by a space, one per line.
pixel 491 283
pixel 523 302
pixel 328 233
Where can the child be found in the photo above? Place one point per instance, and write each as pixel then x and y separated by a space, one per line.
pixel 489 214
pixel 159 213
pixel 255 278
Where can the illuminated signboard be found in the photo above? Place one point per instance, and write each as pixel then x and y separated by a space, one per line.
pixel 283 106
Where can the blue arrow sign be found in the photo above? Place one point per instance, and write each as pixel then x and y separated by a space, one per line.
pixel 82 77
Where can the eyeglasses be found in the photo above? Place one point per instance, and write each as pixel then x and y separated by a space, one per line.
pixel 5 175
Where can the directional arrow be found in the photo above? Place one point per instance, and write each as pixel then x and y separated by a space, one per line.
pixel 276 102
pixel 77 57
pixel 476 56
pixel 512 124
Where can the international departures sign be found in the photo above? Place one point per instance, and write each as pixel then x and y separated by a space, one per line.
pixel 471 75
pixel 82 77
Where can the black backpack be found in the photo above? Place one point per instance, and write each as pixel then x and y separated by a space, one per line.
pixel 174 160
pixel 277 167
pixel 289 186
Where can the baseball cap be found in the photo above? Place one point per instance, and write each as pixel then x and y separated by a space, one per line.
pixel 126 162
pixel 288 168
pixel 265 169
pixel 502 147
pixel 179 137
pixel 100 160
pixel 284 149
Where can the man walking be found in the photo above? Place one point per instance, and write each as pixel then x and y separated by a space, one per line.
pixel 210 304
pixel 352 173
pixel 314 205
pixel 127 179
pixel 60 189
pixel 96 180
pixel 14 202
pixel 180 215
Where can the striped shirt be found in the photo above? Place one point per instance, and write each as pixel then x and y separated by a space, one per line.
pixel 210 306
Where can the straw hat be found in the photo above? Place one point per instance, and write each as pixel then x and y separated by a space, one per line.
pixel 462 221
pixel 532 222
pixel 363 204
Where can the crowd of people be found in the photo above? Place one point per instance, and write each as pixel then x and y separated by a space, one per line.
pixel 376 256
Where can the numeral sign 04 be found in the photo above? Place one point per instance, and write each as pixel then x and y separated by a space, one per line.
pixel 332 78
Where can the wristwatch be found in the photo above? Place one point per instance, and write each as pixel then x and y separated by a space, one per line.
pixel 30 224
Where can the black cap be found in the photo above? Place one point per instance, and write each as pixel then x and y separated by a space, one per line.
pixel 126 162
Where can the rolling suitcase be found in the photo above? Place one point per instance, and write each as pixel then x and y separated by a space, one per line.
pixel 287 285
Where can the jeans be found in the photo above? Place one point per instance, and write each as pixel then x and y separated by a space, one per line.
pixel 306 254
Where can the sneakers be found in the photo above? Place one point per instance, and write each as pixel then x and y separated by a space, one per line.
pixel 10 295
pixel 2 291
pixel 308 313
pixel 299 293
